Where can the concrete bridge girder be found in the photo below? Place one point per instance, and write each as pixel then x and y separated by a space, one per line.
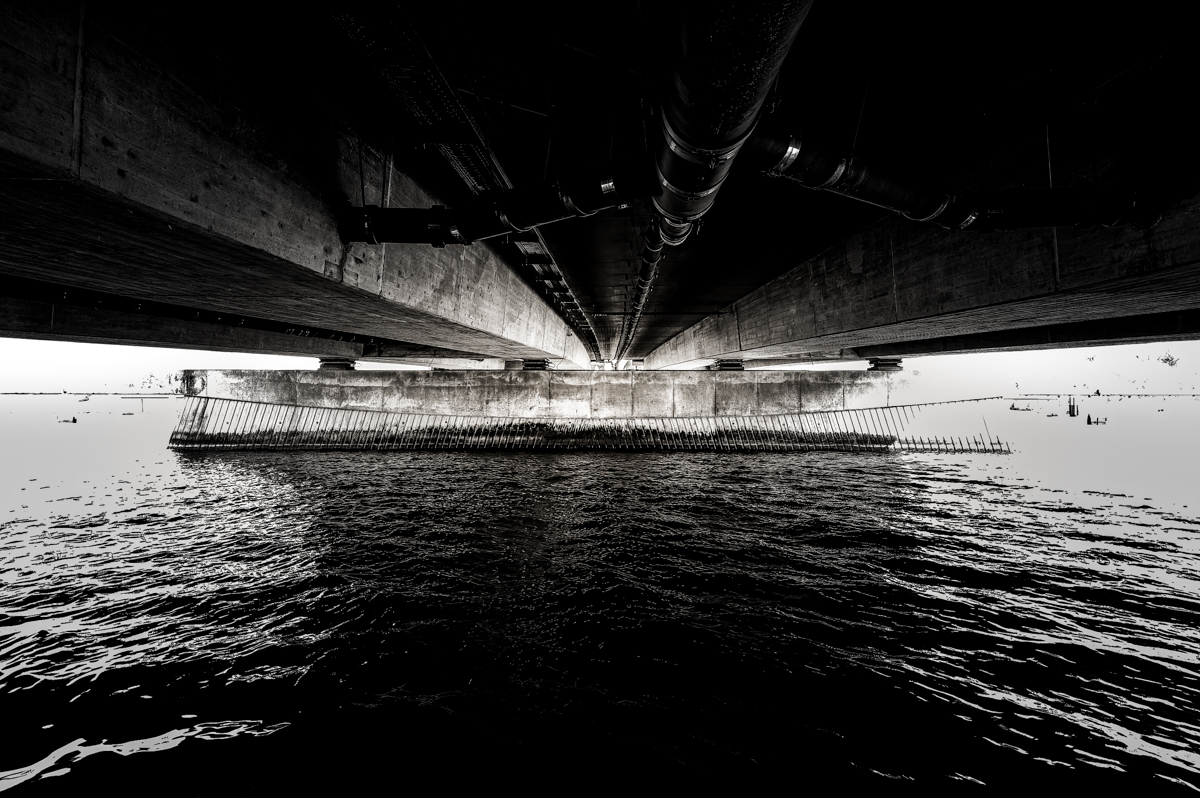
pixel 119 178
pixel 897 287
pixel 23 318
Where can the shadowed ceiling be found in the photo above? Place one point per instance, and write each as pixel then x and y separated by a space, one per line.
pixel 973 96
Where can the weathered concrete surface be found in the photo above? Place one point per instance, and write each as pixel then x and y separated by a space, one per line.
pixel 115 176
pixel 1182 325
pixel 21 318
pixel 899 282
pixel 36 318
pixel 553 394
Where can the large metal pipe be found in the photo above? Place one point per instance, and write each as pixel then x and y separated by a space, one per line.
pixel 818 167
pixel 813 165
pixel 726 60
pixel 652 252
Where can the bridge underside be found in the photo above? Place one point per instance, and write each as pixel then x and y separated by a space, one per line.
pixel 897 289
pixel 158 189
pixel 135 192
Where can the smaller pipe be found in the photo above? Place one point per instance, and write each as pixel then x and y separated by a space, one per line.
pixel 817 167
pixel 1106 206
pixel 517 211
pixel 652 252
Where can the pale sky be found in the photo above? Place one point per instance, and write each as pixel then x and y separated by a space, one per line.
pixel 63 366
pixel 1135 368
pixel 57 366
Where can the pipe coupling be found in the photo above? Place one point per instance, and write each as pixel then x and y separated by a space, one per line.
pixel 570 205
pixel 687 196
pixel 711 159
pixel 837 175
pixel 690 175
pixel 940 210
pixel 789 158
pixel 504 220
pixel 673 232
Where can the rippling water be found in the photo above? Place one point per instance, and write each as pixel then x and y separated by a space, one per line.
pixel 244 622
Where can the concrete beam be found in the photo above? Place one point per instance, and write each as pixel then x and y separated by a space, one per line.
pixel 899 282
pixel 443 363
pixel 813 358
pixel 117 177
pixel 553 394
pixel 33 309
pixel 1151 328
pixel 22 318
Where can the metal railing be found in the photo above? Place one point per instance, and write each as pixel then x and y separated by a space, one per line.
pixel 232 424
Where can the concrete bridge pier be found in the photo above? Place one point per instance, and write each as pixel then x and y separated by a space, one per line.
pixel 511 409
pixel 529 409
pixel 142 202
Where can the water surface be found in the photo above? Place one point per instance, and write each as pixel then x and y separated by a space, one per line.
pixel 326 621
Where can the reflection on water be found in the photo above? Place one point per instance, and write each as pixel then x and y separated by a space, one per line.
pixel 320 620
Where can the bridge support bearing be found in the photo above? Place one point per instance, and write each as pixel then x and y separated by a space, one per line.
pixel 336 364
pixel 727 364
pixel 885 364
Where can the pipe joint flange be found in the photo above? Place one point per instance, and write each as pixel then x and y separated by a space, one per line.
pixel 837 175
pixel 971 217
pixel 456 236
pixel 789 158
pixel 674 231
pixel 702 156
pixel 675 217
pixel 503 217
pixel 854 176
pixel 940 210
pixel 689 196
pixel 570 205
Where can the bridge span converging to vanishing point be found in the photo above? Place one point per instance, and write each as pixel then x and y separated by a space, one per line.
pixel 638 189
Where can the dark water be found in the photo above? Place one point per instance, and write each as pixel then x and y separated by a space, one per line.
pixel 325 622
